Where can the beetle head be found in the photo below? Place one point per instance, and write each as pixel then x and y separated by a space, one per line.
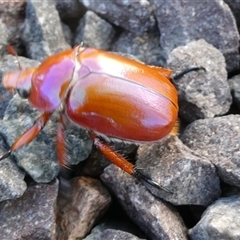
pixel 19 81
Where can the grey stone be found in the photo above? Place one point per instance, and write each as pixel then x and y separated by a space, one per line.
pixel 81 203
pixel 12 15
pixel 12 184
pixel 3 38
pixel 42 32
pixel 158 219
pixel 235 8
pixel 68 35
pixel 146 47
pixel 123 224
pixel 32 216
pixel 220 221
pixel 190 178
pixel 234 84
pixel 217 139
pixel 180 22
pixel 202 94
pixel 110 234
pixel 70 9
pixel 94 31
pixel 134 16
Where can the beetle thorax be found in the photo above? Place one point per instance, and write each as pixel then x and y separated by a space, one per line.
pixel 50 81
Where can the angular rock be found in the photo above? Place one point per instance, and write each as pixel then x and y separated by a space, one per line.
pixel 180 22
pixel 235 8
pixel 110 234
pixel 94 31
pixel 12 184
pixel 220 221
pixel 202 94
pixel 134 16
pixel 95 164
pixel 158 219
pixel 145 47
pixel 68 35
pixel 70 9
pixel 42 32
pixel 12 15
pixel 115 219
pixel 234 84
pixel 39 158
pixel 217 139
pixel 191 178
pixel 81 203
pixel 32 216
pixel 3 38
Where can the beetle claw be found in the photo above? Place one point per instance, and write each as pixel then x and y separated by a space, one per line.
pixel 5 155
pixel 140 176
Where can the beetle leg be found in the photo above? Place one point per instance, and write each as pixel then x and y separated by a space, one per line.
pixel 61 144
pixel 29 135
pixel 112 155
pixel 121 162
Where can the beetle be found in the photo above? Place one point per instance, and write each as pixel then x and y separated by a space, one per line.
pixel 111 96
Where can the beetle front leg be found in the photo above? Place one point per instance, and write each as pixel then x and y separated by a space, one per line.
pixel 121 162
pixel 29 135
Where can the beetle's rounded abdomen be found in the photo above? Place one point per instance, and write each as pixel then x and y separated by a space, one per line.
pixel 120 108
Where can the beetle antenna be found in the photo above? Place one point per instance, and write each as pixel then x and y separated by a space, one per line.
pixel 187 70
pixel 12 51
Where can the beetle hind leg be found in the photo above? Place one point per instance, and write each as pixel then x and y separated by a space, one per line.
pixel 61 145
pixel 121 162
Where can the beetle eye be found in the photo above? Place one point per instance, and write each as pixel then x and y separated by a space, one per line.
pixel 23 93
